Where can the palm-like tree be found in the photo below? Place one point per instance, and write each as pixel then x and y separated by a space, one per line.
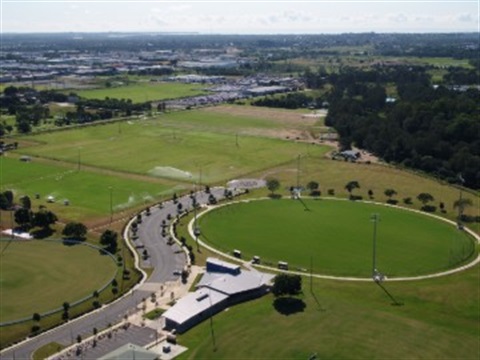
pixel 461 205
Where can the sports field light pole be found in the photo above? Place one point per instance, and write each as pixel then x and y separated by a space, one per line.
pixel 78 160
pixel 111 204
pixel 375 218
pixel 461 181
pixel 196 230
pixel 298 171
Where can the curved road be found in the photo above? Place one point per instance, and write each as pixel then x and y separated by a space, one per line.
pixel 163 258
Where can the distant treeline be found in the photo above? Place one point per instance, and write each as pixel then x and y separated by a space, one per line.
pixel 434 129
pixel 30 108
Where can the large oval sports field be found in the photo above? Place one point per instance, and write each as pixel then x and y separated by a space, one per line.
pixel 38 276
pixel 335 237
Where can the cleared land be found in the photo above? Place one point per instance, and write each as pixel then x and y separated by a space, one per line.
pixel 141 92
pixel 337 237
pixel 37 276
pixel 438 319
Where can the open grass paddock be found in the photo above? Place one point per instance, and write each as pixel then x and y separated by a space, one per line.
pixel 146 91
pixel 337 236
pixel 38 276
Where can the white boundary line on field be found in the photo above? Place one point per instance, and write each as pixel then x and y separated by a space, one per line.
pixel 343 278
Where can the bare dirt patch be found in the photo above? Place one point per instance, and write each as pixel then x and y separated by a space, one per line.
pixel 294 125
pixel 279 116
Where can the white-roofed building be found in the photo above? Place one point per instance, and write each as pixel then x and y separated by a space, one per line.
pixel 216 290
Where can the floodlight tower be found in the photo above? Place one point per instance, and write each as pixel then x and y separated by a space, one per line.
pixel 461 181
pixel 375 218
pixel 196 229
pixel 298 171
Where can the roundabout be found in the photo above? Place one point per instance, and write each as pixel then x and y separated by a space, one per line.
pixel 334 238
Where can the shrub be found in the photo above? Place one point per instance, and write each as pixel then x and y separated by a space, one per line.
pixel 392 201
pixel 429 208
pixel 407 200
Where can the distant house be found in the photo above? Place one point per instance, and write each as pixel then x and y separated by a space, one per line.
pixel 224 284
pixel 349 155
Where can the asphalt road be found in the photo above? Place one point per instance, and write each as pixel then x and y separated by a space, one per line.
pixel 163 258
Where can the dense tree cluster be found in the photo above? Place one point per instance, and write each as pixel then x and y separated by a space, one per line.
pixel 30 108
pixel 434 129
pixel 289 101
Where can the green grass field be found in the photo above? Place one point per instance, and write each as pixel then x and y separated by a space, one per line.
pixel 141 92
pixel 37 276
pixel 337 237
pixel 150 148
pixel 438 319
pixel 87 191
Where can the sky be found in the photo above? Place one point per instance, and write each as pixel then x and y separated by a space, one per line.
pixel 240 16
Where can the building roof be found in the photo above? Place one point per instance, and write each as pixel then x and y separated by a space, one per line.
pixel 234 284
pixel 130 351
pixel 223 264
pixel 213 288
pixel 193 304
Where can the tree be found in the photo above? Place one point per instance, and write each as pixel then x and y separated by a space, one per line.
pixel 370 194
pixel 44 218
pixel 425 198
pixel 109 240
pixel 462 204
pixel 273 185
pixel 313 186
pixel 66 306
pixel 351 185
pixel 286 284
pixel 75 230
pixel 26 202
pixel 6 201
pixel 36 317
pixel 23 217
pixel 390 193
